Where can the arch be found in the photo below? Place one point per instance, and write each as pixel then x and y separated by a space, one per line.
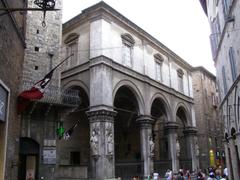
pixel 182 107
pixel 71 37
pixel 165 102
pixel 74 83
pixel 134 90
pixel 233 133
pixel 79 90
pixel 28 146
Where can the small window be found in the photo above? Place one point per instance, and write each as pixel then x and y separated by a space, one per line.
pixel 224 80
pixel 158 62
pixel 37 49
pixel 71 43
pixel 180 80
pixel 232 63
pixel 128 43
pixel 75 157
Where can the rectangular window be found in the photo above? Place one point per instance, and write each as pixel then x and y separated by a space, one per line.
pixel 232 63
pixel 75 157
pixel 127 61
pixel 158 71
pixel 180 84
pixel 72 49
pixel 224 80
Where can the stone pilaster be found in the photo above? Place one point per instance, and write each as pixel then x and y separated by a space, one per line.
pixel 147 144
pixel 228 164
pixel 191 134
pixel 233 159
pixel 171 130
pixel 102 144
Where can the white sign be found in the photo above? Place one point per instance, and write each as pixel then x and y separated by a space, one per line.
pixel 49 156
pixel 3 103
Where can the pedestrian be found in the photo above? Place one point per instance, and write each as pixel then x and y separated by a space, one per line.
pixel 224 177
pixel 200 176
pixel 211 176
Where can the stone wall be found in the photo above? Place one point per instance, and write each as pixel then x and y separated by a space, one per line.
pixel 207 119
pixel 11 59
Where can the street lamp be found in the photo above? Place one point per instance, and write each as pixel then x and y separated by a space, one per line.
pixel 45 5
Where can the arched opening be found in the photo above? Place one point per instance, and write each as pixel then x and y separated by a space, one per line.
pixel 183 153
pixel 127 134
pixel 161 152
pixel 74 150
pixel 28 159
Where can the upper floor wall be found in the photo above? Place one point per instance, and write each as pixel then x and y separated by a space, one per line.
pixel 224 20
pixel 111 36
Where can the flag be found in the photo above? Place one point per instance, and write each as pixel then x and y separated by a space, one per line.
pixel 36 92
pixel 69 132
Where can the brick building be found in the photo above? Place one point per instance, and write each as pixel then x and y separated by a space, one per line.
pixel 224 20
pixel 12 44
pixel 209 125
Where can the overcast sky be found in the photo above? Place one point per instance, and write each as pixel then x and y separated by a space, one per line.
pixel 181 25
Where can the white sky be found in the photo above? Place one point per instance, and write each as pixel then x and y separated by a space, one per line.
pixel 181 25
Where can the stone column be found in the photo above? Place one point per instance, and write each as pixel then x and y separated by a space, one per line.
pixel 234 160
pixel 102 144
pixel 191 134
pixel 228 164
pixel 171 129
pixel 147 144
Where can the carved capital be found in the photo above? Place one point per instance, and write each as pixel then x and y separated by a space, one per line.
pixel 190 130
pixel 145 121
pixel 170 126
pixel 101 115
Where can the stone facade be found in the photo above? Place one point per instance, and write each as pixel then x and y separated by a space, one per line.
pixel 224 21
pixel 12 27
pixel 137 94
pixel 209 125
pixel 37 149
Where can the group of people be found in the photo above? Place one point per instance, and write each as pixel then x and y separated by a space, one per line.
pixel 214 174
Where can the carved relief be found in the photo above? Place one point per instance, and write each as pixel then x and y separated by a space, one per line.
pixel 177 148
pixel 152 146
pixel 94 139
pixel 109 138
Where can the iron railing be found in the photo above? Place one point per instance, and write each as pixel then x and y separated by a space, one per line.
pixel 55 95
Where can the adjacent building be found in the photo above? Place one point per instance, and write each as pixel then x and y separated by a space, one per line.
pixel 210 127
pixel 224 19
pixel 12 44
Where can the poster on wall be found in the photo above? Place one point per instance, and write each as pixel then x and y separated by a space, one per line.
pixel 3 103
pixel 30 174
pixel 49 156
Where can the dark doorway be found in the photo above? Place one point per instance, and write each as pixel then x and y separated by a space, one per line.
pixel 28 159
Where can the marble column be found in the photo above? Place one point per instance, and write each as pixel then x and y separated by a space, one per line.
pixel 191 134
pixel 228 163
pixel 102 144
pixel 234 160
pixel 171 130
pixel 147 144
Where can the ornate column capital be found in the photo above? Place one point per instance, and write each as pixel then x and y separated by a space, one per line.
pixel 190 130
pixel 170 126
pixel 145 121
pixel 101 115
